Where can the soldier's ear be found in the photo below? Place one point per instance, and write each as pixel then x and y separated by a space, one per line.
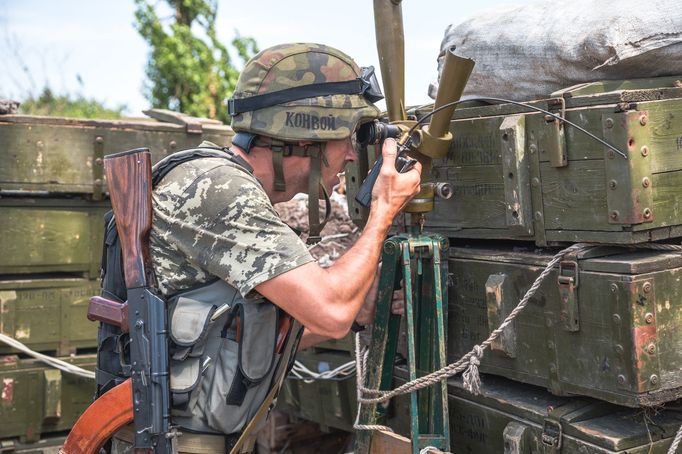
pixel 302 143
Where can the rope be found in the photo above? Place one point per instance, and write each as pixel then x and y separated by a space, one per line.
pixel 429 449
pixel 465 362
pixel 50 361
pixel 676 442
pixel 360 365
pixel 471 378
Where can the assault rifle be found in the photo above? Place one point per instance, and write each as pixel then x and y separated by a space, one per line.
pixel 147 394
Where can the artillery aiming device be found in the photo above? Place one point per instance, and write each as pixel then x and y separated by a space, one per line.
pixel 416 257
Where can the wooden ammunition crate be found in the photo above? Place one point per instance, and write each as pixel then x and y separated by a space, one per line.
pixel 48 314
pixel 516 174
pixel 64 155
pixel 47 235
pixel 329 403
pixel 514 418
pixel 606 324
pixel 37 399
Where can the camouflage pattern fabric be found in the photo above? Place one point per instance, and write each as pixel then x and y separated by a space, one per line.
pixel 321 118
pixel 212 218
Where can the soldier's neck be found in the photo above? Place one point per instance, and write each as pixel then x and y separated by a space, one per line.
pixel 260 159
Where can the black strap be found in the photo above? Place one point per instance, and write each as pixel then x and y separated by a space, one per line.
pixel 237 393
pixel 348 87
pixel 164 166
pixel 244 140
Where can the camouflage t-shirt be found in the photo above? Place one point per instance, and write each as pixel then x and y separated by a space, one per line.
pixel 212 218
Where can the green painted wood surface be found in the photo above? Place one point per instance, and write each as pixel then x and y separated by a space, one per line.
pixel 600 93
pixel 625 350
pixel 51 235
pixel 345 344
pixel 48 314
pixel 477 191
pixel 25 394
pixel 479 423
pixel 61 155
pixel 46 445
pixel 575 199
pixel 330 403
pixel 576 202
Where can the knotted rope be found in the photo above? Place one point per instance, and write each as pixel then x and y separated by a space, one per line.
pixel 471 379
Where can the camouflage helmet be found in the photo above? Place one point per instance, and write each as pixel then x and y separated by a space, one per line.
pixel 303 91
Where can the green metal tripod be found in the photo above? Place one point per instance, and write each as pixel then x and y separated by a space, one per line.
pixel 420 260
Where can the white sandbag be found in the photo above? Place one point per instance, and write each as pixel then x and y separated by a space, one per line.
pixel 531 51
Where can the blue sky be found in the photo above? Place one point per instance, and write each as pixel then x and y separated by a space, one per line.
pixel 90 47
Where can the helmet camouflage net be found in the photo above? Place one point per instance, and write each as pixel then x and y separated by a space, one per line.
pixel 278 94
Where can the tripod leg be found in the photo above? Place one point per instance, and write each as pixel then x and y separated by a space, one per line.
pixel 384 339
pixel 440 395
pixel 411 353
pixel 429 416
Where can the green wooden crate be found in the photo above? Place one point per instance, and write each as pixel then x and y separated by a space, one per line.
pixel 48 314
pixel 47 445
pixel 330 403
pixel 608 329
pixel 345 344
pixel 514 418
pixel 516 175
pixel 37 399
pixel 64 155
pixel 46 235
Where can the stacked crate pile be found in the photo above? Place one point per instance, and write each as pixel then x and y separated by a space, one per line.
pixel 593 364
pixel 52 202
pixel 607 322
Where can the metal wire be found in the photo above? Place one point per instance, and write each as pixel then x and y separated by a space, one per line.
pixel 517 103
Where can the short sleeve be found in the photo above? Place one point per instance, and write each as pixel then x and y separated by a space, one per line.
pixel 224 223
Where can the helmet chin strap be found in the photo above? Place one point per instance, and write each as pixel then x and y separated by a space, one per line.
pixel 316 153
pixel 314 185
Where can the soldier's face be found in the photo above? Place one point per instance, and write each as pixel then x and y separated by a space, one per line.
pixel 339 153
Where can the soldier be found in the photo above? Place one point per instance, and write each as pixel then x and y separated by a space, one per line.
pixel 295 110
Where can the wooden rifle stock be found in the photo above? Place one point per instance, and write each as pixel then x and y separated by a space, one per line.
pixel 129 176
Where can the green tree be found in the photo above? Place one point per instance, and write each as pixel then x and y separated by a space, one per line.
pixel 65 105
pixel 189 69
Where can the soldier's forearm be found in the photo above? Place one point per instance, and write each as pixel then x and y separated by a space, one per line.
pixel 327 300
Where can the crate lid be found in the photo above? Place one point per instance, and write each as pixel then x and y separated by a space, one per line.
pixel 606 425
pixel 156 120
pixel 611 259
pixel 610 92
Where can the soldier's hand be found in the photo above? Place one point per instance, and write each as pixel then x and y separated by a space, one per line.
pixel 366 315
pixel 393 190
